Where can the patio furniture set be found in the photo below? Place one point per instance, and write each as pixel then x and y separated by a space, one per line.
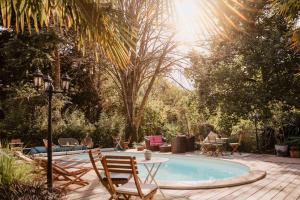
pixel 65 144
pixel 212 145
pixel 179 144
pixel 215 145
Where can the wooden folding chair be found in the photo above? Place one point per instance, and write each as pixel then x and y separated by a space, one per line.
pixel 126 143
pixel 127 164
pixel 235 146
pixel 117 178
pixel 68 174
pixel 117 142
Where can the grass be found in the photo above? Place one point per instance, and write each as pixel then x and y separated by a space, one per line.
pixel 12 169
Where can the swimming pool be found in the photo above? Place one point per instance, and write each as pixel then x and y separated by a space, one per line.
pixel 195 171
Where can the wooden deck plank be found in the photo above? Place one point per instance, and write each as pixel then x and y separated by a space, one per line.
pixel 288 189
pixel 253 186
pixel 282 182
pixel 295 193
pixel 269 191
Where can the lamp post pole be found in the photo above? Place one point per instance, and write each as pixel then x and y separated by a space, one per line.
pixel 38 80
pixel 49 138
pixel 256 132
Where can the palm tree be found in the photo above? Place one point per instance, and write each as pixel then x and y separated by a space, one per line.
pixel 93 20
pixel 290 9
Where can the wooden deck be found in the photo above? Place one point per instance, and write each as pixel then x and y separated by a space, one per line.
pixel 282 182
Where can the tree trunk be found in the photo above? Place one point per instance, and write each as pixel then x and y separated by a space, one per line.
pixel 131 131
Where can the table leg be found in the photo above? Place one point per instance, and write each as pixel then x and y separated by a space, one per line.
pixel 153 175
pixel 149 172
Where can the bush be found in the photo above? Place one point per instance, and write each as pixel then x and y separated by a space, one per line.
pixel 75 126
pixel 170 131
pixel 244 125
pixel 12 170
pixel 28 191
pixel 106 128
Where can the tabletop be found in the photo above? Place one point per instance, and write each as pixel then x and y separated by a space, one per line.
pixel 154 160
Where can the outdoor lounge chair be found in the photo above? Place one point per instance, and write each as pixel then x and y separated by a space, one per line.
pixel 70 144
pixel 55 148
pixel 126 164
pixel 88 142
pixel 69 175
pixel 117 178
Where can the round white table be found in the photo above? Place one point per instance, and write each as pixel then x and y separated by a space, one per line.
pixel 152 166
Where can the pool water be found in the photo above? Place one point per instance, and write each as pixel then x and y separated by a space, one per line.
pixel 182 168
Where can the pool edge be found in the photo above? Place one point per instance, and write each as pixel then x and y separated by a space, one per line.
pixel 250 177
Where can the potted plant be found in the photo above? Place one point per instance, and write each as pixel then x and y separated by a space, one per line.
pixel 147 154
pixel 294 144
pixel 281 147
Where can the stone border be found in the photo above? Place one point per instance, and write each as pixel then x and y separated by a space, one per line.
pixel 252 176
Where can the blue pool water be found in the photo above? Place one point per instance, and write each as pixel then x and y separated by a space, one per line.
pixel 182 168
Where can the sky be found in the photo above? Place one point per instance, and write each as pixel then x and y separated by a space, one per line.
pixel 188 32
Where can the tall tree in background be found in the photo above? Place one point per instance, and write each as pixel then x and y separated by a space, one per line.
pixel 250 69
pixel 150 56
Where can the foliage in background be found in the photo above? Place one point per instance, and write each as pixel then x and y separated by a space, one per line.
pixel 106 128
pixel 248 71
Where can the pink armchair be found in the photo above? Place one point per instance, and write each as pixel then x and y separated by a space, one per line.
pixel 153 142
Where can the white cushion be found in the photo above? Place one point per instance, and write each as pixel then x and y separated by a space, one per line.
pixel 115 176
pixel 131 188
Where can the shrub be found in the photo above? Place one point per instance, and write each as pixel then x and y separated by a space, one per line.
pixel 170 131
pixel 28 191
pixel 12 170
pixel 245 126
pixel 75 126
pixel 106 128
pixel 18 180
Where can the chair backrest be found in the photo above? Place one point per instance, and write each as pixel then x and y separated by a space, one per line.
pixel 45 141
pixel 88 141
pixel 155 139
pixel 121 164
pixel 57 170
pixel 212 138
pixel 15 141
pixel 23 157
pixel 96 156
pixel 68 141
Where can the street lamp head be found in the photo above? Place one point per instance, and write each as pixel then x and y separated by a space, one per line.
pixel 65 82
pixel 48 82
pixel 38 79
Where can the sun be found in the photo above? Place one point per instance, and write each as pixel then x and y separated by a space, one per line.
pixel 189 15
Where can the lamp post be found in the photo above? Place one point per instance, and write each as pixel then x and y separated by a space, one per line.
pixel 256 118
pixel 38 79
